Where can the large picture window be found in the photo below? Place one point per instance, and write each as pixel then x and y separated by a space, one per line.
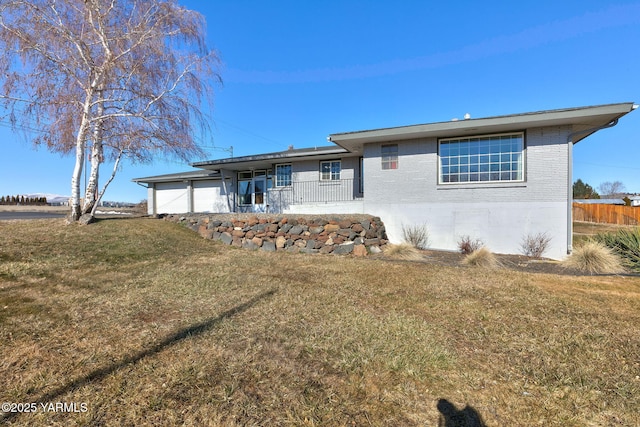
pixel 283 175
pixel 330 171
pixel 493 158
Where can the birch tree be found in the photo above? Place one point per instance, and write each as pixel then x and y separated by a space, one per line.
pixel 119 78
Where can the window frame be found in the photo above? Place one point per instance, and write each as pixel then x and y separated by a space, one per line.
pixel 332 175
pixel 287 183
pixel 389 159
pixel 489 162
pixel 361 174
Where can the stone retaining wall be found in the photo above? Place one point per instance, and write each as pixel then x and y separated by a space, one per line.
pixel 342 234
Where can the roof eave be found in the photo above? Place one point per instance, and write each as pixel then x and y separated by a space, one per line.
pixel 586 117
pixel 183 176
pixel 263 159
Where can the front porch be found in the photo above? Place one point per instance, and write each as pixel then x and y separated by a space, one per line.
pixel 298 195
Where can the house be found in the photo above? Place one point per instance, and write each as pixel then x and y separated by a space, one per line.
pixel 497 179
pixel 619 202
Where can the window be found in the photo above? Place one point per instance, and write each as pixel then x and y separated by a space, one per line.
pixel 389 156
pixel 330 171
pixel 245 189
pixel 492 158
pixel 283 175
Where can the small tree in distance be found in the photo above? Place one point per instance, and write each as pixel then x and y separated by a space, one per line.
pixel 582 190
pixel 612 189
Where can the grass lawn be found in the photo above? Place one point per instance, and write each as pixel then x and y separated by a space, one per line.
pixel 142 322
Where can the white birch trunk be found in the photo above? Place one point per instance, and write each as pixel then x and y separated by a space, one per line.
pixel 113 174
pixel 92 185
pixel 90 197
pixel 81 144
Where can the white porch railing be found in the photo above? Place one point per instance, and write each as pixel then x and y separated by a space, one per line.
pixel 303 192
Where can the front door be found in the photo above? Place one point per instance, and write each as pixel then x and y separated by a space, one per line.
pixel 252 191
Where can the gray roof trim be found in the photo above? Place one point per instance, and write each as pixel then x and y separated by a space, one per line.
pixel 210 169
pixel 197 175
pixel 294 154
pixel 579 117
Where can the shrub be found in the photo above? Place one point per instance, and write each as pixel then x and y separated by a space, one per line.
pixel 416 235
pixel 534 245
pixel 467 245
pixel 626 243
pixel 481 257
pixel 403 251
pixel 594 258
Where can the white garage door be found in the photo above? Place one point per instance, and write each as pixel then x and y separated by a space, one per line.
pixel 208 196
pixel 172 197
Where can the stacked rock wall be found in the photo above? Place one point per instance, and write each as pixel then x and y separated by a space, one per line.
pixel 344 234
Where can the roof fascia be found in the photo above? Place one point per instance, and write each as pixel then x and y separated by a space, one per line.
pixel 281 156
pixel 581 116
pixel 184 176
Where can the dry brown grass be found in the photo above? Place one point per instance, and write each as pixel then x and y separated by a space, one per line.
pixel 148 324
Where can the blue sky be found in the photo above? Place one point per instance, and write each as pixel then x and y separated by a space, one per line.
pixel 296 71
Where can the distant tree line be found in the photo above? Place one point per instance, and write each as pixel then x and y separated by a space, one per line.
pixel 21 200
pixel 607 190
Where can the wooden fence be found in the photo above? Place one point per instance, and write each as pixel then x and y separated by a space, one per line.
pixel 610 214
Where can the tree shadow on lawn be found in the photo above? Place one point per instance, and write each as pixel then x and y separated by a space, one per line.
pixel 171 340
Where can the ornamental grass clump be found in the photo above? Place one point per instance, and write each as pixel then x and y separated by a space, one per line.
pixel 403 251
pixel 594 258
pixel 482 257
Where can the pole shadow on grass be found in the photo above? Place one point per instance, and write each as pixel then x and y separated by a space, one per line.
pixel 452 417
pixel 99 374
